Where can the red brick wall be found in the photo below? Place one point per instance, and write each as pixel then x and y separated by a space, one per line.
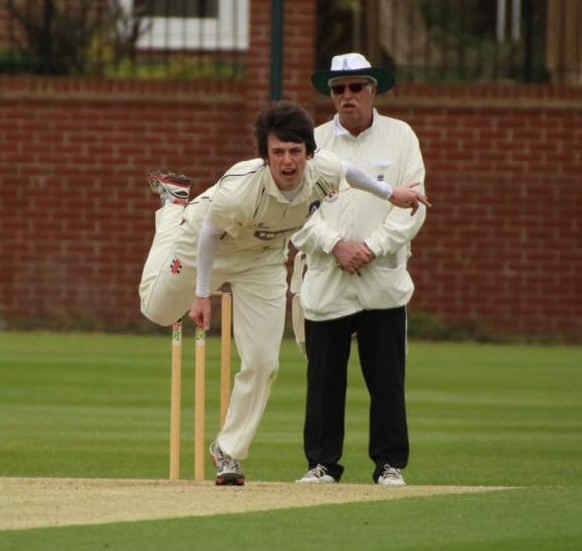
pixel 501 246
pixel 76 219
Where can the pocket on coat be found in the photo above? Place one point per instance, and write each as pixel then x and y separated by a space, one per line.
pixel 385 287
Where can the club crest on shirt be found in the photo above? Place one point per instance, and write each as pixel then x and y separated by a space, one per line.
pixel 313 207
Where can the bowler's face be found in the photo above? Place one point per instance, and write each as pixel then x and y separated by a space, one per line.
pixel 286 161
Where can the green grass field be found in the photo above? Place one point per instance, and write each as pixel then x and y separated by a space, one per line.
pixel 97 406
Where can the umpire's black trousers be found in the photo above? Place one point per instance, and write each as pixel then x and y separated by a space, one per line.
pixel 381 338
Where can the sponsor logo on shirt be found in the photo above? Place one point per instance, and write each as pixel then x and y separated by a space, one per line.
pixel 266 235
pixel 175 266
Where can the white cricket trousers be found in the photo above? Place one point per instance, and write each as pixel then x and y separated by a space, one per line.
pixel 259 288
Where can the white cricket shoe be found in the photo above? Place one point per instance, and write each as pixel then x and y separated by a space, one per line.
pixel 390 477
pixel 317 475
pixel 228 470
pixel 172 188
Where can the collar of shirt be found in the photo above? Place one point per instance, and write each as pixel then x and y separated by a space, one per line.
pixel 269 182
pixel 272 189
pixel 299 194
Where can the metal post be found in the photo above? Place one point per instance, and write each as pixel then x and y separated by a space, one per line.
pixel 277 29
pixel 500 30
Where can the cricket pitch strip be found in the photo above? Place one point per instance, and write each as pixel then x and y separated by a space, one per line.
pixel 51 502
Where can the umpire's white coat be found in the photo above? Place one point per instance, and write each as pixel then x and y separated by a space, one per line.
pixel 388 151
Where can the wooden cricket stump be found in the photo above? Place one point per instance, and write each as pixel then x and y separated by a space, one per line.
pixel 199 387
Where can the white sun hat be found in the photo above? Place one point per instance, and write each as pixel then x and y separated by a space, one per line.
pixel 351 65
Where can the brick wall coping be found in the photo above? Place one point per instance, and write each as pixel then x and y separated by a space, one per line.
pixel 519 96
pixel 116 91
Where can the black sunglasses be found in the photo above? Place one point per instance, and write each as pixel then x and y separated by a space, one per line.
pixel 354 87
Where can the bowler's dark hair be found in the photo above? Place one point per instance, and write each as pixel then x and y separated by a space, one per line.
pixel 288 122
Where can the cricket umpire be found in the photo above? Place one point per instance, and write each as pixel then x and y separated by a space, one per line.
pixel 357 281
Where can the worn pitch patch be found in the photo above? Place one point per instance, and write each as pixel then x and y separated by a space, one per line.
pixel 50 502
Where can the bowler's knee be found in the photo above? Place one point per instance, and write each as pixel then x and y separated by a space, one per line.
pixel 156 316
pixel 264 367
